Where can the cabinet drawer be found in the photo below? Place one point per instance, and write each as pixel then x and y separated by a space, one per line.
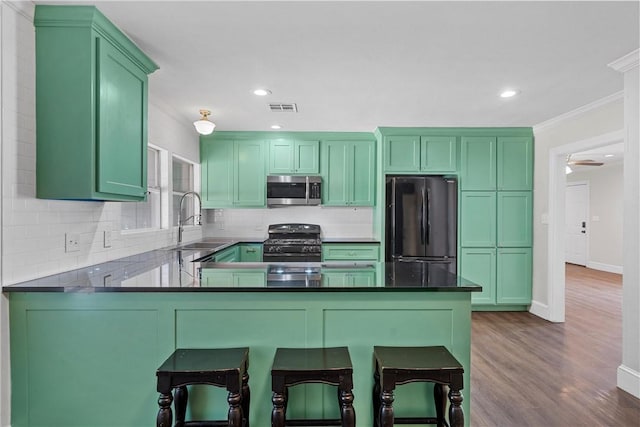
pixel 348 252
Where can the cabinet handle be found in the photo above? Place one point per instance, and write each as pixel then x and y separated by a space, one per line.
pixel 250 251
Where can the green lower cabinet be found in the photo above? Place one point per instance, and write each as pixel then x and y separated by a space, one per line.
pixel 250 252
pixel 513 282
pixel 211 277
pixel 350 278
pixel 503 273
pixel 231 254
pixel 350 252
pixel 479 266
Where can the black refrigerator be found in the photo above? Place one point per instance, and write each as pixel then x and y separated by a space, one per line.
pixel 421 220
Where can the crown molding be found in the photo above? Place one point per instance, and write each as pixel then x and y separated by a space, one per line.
pixel 24 8
pixel 578 111
pixel 627 62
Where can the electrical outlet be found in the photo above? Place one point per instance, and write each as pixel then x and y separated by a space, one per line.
pixel 72 242
pixel 107 239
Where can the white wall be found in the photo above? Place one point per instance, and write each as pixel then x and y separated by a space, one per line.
pixel 33 230
pixel 604 225
pixel 334 221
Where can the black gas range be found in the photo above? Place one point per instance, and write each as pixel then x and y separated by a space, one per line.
pixel 293 243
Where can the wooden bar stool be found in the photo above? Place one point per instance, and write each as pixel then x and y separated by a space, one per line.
pixel 403 365
pixel 218 367
pixel 292 366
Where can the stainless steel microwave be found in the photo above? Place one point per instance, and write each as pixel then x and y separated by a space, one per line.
pixel 293 190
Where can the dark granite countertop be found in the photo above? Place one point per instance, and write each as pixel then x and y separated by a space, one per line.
pixel 177 270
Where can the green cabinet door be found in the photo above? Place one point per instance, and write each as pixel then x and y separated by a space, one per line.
pixel 479 266
pixel 210 277
pixel 306 157
pixel 515 163
pixel 402 154
pixel 362 174
pixel 249 174
pixel 478 219
pixel 216 158
pixel 250 252
pixel 256 279
pixel 438 154
pixel 122 113
pixel 514 219
pixel 348 169
pixel 513 282
pixel 348 278
pixel 288 156
pixel 231 254
pixel 478 163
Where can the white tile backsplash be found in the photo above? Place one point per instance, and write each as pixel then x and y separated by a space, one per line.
pixel 253 223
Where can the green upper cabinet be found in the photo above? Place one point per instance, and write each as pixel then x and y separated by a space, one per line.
pixel 421 154
pixel 504 163
pixel 348 170
pixel 478 163
pixel 233 173
pixel 515 163
pixel 216 158
pixel 294 157
pixel 91 107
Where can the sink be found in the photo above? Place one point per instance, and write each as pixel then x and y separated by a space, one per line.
pixel 204 245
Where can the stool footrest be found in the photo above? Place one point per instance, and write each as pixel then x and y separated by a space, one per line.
pixel 313 422
pixel 417 420
pixel 212 423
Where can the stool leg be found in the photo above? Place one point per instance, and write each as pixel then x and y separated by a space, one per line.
pixel 347 414
pixel 386 410
pixel 456 416
pixel 165 416
pixel 246 397
pixel 181 395
pixel 278 413
pixel 375 399
pixel 441 404
pixel 235 411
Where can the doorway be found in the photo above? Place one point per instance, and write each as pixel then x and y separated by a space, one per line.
pixel 555 310
pixel 576 218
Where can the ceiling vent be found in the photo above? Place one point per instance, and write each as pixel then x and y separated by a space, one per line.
pixel 280 107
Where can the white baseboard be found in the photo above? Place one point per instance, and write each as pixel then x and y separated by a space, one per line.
pixel 605 267
pixel 540 310
pixel 629 380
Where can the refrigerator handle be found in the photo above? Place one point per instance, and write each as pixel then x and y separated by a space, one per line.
pixel 426 215
pixel 422 216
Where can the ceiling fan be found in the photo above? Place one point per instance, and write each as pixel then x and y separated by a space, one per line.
pixel 585 162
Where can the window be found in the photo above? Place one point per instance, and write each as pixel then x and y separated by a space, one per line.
pixel 141 215
pixel 182 183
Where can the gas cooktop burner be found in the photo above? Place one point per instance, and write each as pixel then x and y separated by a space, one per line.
pixel 293 243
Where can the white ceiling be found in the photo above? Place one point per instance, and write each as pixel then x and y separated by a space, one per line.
pixel 354 66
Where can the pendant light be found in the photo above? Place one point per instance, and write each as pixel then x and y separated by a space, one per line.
pixel 204 126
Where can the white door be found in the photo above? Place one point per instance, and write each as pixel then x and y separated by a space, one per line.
pixel 577 212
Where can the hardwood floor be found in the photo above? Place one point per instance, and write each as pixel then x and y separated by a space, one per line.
pixel 526 371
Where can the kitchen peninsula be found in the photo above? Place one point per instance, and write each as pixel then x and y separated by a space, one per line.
pixel 88 341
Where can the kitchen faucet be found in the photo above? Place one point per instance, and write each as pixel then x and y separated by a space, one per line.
pixel 197 217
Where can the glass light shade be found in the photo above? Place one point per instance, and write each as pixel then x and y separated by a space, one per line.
pixel 204 126
pixel 567 170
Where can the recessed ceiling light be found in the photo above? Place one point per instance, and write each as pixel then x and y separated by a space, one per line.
pixel 276 127
pixel 608 155
pixel 262 92
pixel 508 93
